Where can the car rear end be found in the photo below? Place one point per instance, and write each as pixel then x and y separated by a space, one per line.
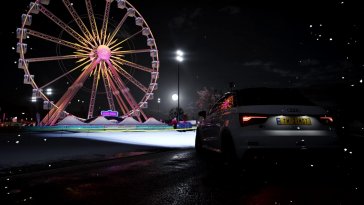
pixel 276 127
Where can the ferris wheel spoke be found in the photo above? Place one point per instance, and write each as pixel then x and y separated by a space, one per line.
pixel 130 78
pixel 119 100
pixel 132 36
pixel 121 103
pixel 70 93
pixel 131 52
pixel 116 93
pixel 133 65
pixel 54 58
pixel 78 20
pixel 105 22
pixel 92 20
pixel 56 40
pixel 63 25
pixel 93 94
pixel 130 99
pixel 65 74
pixel 121 85
pixel 143 114
pixel 116 30
pixel 123 41
pixel 109 95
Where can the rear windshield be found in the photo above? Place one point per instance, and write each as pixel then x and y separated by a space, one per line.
pixel 271 96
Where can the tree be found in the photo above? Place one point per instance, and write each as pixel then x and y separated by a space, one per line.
pixel 207 97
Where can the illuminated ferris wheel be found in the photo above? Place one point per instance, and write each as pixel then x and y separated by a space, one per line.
pixel 96 53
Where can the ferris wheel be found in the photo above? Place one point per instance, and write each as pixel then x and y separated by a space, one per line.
pixel 115 54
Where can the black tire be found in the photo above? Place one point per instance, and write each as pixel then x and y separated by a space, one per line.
pixel 198 143
pixel 228 150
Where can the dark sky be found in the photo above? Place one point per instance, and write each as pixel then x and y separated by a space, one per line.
pixel 252 43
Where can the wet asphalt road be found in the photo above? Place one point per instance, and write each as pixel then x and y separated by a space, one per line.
pixel 181 177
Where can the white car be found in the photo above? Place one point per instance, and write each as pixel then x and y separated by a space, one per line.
pixel 265 119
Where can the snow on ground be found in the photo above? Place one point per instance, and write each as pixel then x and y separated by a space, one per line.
pixel 169 139
pixel 19 149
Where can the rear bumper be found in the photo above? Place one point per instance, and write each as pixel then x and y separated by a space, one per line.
pixel 295 154
pixel 287 140
pixel 293 158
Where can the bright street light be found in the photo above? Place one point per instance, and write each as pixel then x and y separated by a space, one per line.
pixel 49 91
pixel 174 97
pixel 179 53
pixel 159 101
pixel 179 56
pixel 179 59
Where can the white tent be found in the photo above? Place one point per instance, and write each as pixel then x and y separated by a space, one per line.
pixel 70 120
pixel 100 120
pixel 153 121
pixel 129 121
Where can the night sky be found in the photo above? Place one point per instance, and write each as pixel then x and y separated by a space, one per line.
pixel 265 43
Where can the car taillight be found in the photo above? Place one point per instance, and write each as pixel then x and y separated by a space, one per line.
pixel 249 119
pixel 327 120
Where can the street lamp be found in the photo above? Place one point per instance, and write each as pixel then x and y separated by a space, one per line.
pixel 48 105
pixel 49 91
pixel 179 59
pixel 174 97
pixel 159 101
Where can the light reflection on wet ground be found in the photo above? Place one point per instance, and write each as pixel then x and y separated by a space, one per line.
pixel 181 177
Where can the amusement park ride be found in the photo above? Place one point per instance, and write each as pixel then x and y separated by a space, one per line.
pixel 97 52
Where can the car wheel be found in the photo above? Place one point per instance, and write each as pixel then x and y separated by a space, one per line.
pixel 228 150
pixel 198 143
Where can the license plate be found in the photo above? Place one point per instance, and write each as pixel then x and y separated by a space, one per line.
pixel 293 121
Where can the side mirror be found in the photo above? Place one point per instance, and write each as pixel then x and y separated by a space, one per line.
pixel 202 114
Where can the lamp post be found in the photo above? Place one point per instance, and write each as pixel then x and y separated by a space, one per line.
pixel 179 59
pixel 49 92
pixel 159 101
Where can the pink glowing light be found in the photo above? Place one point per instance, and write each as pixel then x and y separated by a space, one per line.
pixel 103 53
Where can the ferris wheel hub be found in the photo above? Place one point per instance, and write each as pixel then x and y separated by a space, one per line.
pixel 103 53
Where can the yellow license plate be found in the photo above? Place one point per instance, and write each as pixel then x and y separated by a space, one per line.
pixel 293 121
